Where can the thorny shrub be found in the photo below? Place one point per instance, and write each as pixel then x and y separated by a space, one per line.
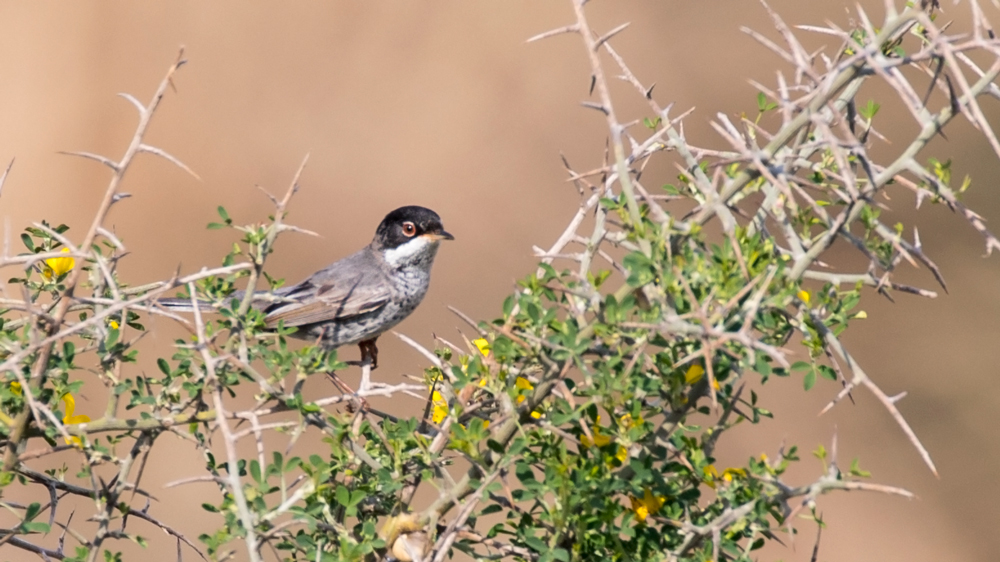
pixel 582 422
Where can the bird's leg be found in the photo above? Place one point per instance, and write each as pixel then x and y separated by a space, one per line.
pixel 369 351
pixel 369 361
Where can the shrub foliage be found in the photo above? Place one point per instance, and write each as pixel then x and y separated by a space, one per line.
pixel 579 424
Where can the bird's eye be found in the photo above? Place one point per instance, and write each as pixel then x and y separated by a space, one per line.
pixel 409 229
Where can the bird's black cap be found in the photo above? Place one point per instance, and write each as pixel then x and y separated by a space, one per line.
pixel 406 223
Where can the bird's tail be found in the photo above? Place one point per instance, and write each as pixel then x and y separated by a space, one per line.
pixel 185 305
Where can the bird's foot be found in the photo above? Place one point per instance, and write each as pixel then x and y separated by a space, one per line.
pixel 369 353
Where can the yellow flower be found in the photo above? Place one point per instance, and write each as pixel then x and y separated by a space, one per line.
pixel 521 383
pixel 70 419
pixel 483 346
pixel 622 454
pixel 648 505
pixel 440 407
pixel 804 296
pixel 711 475
pixel 731 473
pixel 440 411
pixel 599 439
pixel 728 475
pixel 629 423
pixel 694 374
pixel 58 266
pixel 15 387
pixel 114 325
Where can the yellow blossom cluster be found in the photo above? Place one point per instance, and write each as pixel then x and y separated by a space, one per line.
pixel 57 267
pixel 695 373
pixel 712 475
pixel 440 404
pixel 647 505
pixel 68 419
pixel 599 439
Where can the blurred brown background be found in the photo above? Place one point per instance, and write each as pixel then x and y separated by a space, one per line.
pixel 443 104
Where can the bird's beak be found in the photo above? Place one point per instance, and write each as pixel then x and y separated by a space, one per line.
pixel 439 235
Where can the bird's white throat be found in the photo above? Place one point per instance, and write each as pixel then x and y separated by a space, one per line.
pixel 418 251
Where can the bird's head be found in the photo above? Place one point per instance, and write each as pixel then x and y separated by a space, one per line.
pixel 409 236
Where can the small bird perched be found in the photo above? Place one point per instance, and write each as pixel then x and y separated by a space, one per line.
pixel 357 299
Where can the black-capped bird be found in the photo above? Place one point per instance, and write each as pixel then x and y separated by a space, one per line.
pixel 358 298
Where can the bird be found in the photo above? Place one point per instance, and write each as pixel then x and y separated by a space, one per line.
pixel 358 298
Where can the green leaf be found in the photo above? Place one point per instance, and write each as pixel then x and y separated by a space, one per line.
pixel 761 365
pixel 536 544
pixel 763 105
pixel 809 380
pixel 641 270
pixel 255 471
pixel 801 366
pixel 343 496
pixel 869 110
pixel 856 470
pixel 32 511
pixel 36 527
pixel 820 452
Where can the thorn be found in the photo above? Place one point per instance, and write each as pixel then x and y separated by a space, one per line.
pixel 956 107
pixel 181 61
pixel 3 178
pixel 596 106
pixel 898 397
pixel 575 28
pixel 90 156
pixel 167 156
pixel 833 446
pixel 852 116
pixel 138 105
pixel 273 199
pixel 604 38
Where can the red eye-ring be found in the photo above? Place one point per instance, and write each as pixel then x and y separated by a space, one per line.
pixel 409 229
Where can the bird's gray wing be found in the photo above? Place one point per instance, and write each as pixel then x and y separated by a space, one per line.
pixel 336 293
